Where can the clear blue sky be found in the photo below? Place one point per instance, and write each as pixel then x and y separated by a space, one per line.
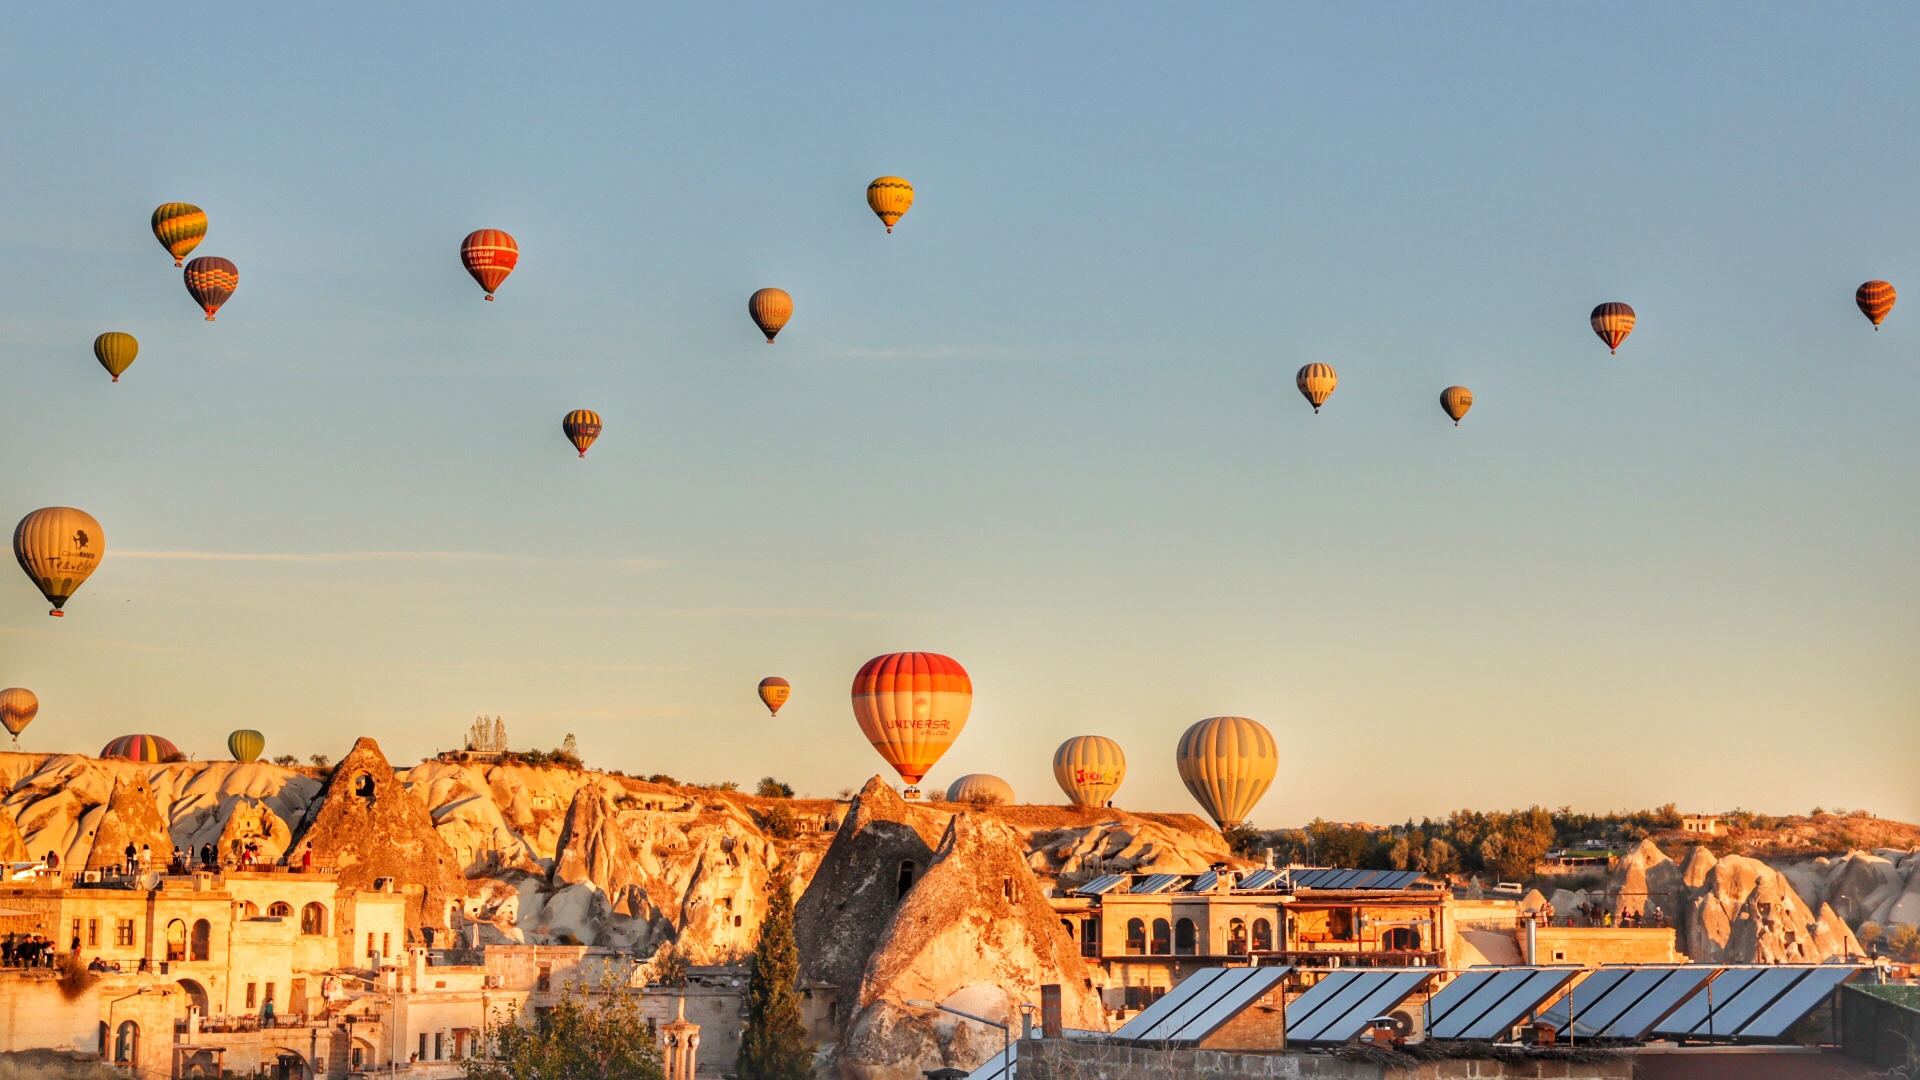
pixel 1048 427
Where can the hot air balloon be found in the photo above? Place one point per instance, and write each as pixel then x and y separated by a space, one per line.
pixel 1875 299
pixel 1613 322
pixel 179 227
pixel 151 749
pixel 1227 763
pixel 1456 400
pixel 774 692
pixel 246 744
pixel 890 197
pixel 911 706
pixel 489 255
pixel 980 787
pixel 582 427
pixel 211 281
pixel 58 547
pixel 770 308
pixel 1316 383
pixel 115 351
pixel 17 709
pixel 1089 769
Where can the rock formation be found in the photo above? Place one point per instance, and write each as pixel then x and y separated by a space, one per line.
pixel 975 932
pixel 1745 912
pixel 1646 882
pixel 130 817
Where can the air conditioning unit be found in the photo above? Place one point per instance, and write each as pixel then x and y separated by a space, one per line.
pixel 91 877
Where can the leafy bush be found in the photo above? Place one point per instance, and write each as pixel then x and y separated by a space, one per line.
pixel 773 789
pixel 75 979
pixel 286 761
pixel 781 823
pixel 321 761
pixel 603 1037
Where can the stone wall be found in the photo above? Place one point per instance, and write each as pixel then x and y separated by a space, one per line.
pixel 1065 1059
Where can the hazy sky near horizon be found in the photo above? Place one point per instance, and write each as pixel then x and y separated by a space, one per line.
pixel 1048 427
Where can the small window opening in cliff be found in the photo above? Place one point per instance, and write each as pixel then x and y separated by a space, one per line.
pixel 363 786
pixel 1006 888
pixel 906 876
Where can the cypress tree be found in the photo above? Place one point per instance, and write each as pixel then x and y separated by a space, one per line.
pixel 774 1045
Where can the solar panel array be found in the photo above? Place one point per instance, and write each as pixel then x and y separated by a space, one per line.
pixel 1100 886
pixel 1201 1003
pixel 1625 1002
pixel 1754 1004
pixel 1349 879
pixel 1259 879
pixel 1486 1003
pixel 1155 883
pixel 1205 882
pixel 1336 1008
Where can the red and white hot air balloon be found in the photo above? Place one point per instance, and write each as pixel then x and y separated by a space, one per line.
pixel 911 706
pixel 489 255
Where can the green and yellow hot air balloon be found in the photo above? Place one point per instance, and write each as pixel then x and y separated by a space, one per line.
pixel 179 227
pixel 246 744
pixel 115 351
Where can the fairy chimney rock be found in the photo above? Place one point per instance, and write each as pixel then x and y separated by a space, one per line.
pixel 132 818
pixel 370 826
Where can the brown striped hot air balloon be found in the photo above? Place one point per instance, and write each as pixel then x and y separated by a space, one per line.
pixel 18 707
pixel 1316 383
pixel 58 547
pixel 210 281
pixel 179 227
pixel 911 706
pixel 1875 299
pixel 1613 321
pixel 1456 400
pixel 774 692
pixel 582 427
pixel 890 197
pixel 770 308
pixel 489 255
pixel 1227 762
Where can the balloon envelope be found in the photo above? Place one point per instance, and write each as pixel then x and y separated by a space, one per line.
pixel 246 744
pixel 770 308
pixel 18 707
pixel 115 351
pixel 489 255
pixel 179 227
pixel 1089 768
pixel 1316 383
pixel 58 547
pixel 1456 400
pixel 890 197
pixel 1875 299
pixel 210 281
pixel 1227 762
pixel 774 692
pixel 151 749
pixel 582 427
pixel 1613 322
pixel 980 787
pixel 911 706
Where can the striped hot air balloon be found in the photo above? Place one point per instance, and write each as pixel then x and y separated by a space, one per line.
pixel 489 255
pixel 18 707
pixel 1316 383
pixel 911 706
pixel 246 744
pixel 770 308
pixel 211 281
pixel 1875 299
pixel 58 547
pixel 1089 768
pixel 151 749
pixel 890 197
pixel 179 227
pixel 582 427
pixel 1613 321
pixel 979 787
pixel 1456 400
pixel 1227 762
pixel 115 351
pixel 774 692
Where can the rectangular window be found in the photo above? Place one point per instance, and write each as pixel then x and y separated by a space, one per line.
pixel 369 944
pixel 386 944
pixel 251 989
pixel 269 997
pixel 545 981
pixel 422 1055
pixel 439 1046
pixel 76 933
pixel 123 933
pixel 93 933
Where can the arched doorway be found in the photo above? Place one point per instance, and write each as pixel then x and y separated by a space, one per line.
pixel 195 995
pixel 1184 938
pixel 280 1063
pixel 126 1043
pixel 176 940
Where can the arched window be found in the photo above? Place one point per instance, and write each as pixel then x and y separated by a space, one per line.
pixel 176 940
pixel 202 940
pixel 906 876
pixel 126 1043
pixel 279 909
pixel 1237 937
pixel 1162 938
pixel 1136 938
pixel 1401 939
pixel 1262 936
pixel 248 910
pixel 1183 938
pixel 313 919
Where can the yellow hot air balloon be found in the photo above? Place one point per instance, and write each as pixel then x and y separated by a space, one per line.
pixel 246 744
pixel 1456 400
pixel 1227 762
pixel 911 706
pixel 1316 383
pixel 1089 769
pixel 58 547
pixel 981 787
pixel 18 707
pixel 890 197
pixel 115 351
pixel 770 308
pixel 774 692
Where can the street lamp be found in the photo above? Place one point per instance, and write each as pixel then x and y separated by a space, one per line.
pixel 1006 1032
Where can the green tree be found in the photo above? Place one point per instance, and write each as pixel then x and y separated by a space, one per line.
pixel 773 789
pixel 583 1037
pixel 774 1045
pixel 1516 842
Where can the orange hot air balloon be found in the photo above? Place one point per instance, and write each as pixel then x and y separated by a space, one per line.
pixel 489 255
pixel 1613 322
pixel 1456 400
pixel 1316 383
pixel 58 547
pixel 770 308
pixel 1875 299
pixel 1227 762
pixel 582 427
pixel 1089 768
pixel 911 706
pixel 18 707
pixel 774 692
